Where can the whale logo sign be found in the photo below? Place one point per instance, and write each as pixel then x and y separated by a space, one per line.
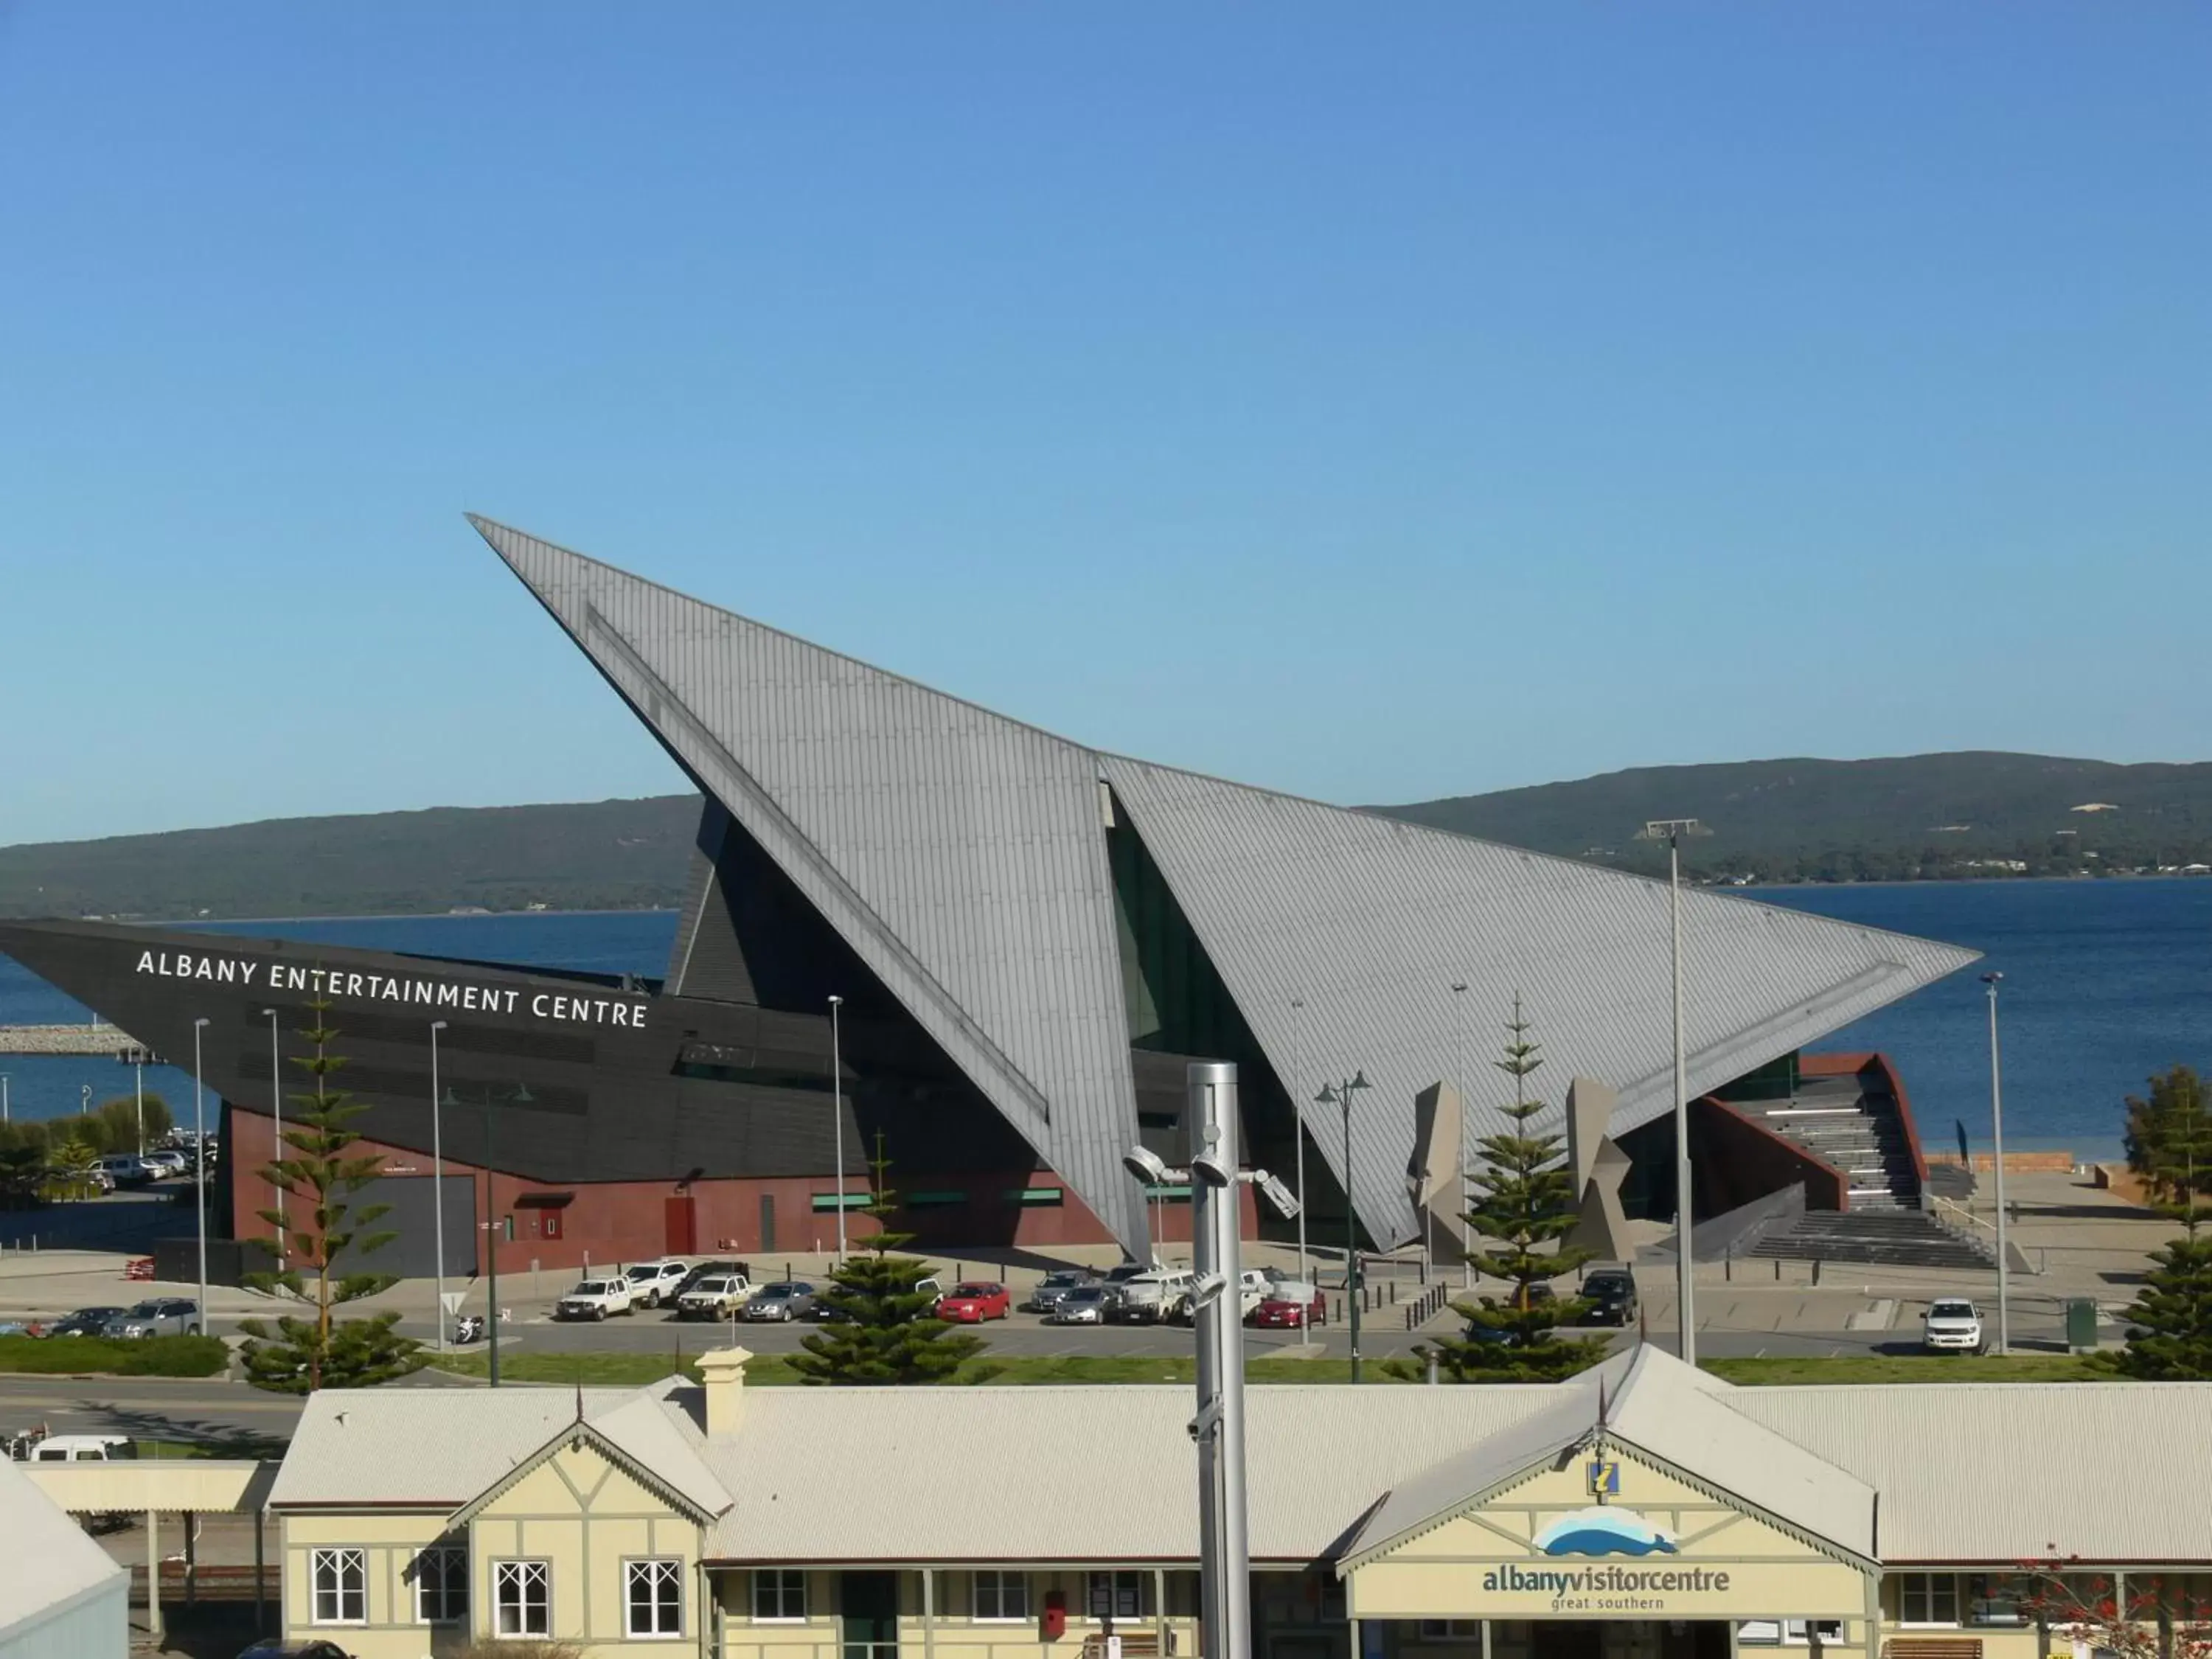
pixel 1609 1531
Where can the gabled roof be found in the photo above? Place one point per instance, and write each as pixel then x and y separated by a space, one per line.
pixel 1652 1403
pixel 961 855
pixel 645 1436
pixel 48 1565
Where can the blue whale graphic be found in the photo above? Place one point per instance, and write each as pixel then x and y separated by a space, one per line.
pixel 1603 1540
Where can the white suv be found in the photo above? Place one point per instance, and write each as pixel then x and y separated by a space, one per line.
pixel 718 1296
pixel 595 1298
pixel 1954 1325
pixel 1155 1297
pixel 652 1283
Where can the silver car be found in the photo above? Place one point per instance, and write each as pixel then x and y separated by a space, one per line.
pixel 1086 1304
pixel 1054 1286
pixel 788 1299
pixel 160 1315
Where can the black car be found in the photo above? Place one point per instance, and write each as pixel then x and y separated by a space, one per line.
pixel 1612 1297
pixel 275 1647
pixel 85 1322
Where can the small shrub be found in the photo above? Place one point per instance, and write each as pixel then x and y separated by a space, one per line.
pixel 493 1647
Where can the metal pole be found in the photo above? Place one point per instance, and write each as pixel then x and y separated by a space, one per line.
pixel 199 1178
pixel 1351 1235
pixel 1224 1559
pixel 492 1240
pixel 837 1086
pixel 3 1097
pixel 438 1181
pixel 1685 1212
pixel 139 1067
pixel 1466 1146
pixel 276 1111
pixel 1997 1128
pixel 1298 1120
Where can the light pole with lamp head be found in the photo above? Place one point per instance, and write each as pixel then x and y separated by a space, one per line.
pixel 438 1181
pixel 199 1171
pixel 3 1097
pixel 837 1085
pixel 1466 1147
pixel 276 1112
pixel 1671 830
pixel 1997 1133
pixel 1298 1122
pixel 1339 1095
pixel 493 1226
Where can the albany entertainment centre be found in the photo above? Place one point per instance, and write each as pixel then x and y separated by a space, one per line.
pixel 1013 944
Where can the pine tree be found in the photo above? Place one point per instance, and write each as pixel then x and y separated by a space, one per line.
pixel 2170 1324
pixel 883 1331
pixel 2169 1142
pixel 1525 1206
pixel 319 1177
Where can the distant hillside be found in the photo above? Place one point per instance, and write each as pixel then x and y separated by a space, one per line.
pixel 610 855
pixel 1921 816
pixel 1918 816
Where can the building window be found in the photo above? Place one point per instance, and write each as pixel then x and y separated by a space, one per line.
pixel 1450 1630
pixel 653 1597
pixel 779 1595
pixel 1993 1598
pixel 441 1585
pixel 340 1578
pixel 521 1598
pixel 1002 1594
pixel 1789 1632
pixel 1928 1598
pixel 1120 1596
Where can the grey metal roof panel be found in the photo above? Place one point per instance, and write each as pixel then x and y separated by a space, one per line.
pixel 48 1562
pixel 957 852
pixel 1371 921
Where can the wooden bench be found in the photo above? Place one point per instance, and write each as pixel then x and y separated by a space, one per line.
pixel 1932 1647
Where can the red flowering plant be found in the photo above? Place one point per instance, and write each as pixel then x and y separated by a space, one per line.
pixel 2136 1615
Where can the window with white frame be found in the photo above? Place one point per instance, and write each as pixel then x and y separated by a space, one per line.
pixel 653 1597
pixel 1789 1632
pixel 339 1579
pixel 1002 1595
pixel 779 1594
pixel 1928 1598
pixel 441 1585
pixel 521 1598
pixel 1120 1596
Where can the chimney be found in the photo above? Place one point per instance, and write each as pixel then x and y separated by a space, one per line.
pixel 722 1371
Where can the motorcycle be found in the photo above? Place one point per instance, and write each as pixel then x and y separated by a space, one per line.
pixel 469 1327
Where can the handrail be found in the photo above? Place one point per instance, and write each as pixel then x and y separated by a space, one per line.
pixel 1943 1203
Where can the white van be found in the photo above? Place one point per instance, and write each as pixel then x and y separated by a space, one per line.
pixel 84 1449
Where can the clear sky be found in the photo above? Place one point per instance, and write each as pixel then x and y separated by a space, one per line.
pixel 1379 403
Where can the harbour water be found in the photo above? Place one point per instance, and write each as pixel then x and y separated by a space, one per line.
pixel 2106 983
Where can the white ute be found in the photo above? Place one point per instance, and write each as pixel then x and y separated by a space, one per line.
pixel 595 1298
pixel 718 1296
pixel 1953 1325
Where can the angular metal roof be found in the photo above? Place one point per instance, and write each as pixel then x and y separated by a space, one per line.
pixel 961 855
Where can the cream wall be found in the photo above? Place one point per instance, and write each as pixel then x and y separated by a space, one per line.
pixel 389 1540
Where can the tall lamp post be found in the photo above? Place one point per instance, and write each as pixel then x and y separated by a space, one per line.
pixel 1996 1131
pixel 492 1226
pixel 276 1111
pixel 3 1097
pixel 1671 830
pixel 1339 1095
pixel 199 1174
pixel 438 1181
pixel 837 1085
pixel 1466 1151
pixel 1297 1120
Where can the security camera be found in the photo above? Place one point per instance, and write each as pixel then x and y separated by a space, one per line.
pixel 1146 1165
pixel 1207 1290
pixel 1284 1200
pixel 1209 1168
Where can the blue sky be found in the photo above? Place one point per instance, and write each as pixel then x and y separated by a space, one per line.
pixel 1379 405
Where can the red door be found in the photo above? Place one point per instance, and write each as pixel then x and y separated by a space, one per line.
pixel 683 1217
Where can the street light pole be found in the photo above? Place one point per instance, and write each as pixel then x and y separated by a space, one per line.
pixel 138 1066
pixel 438 1181
pixel 1684 1193
pixel 276 1111
pixel 1339 1095
pixel 199 1175
pixel 3 1097
pixel 1298 1121
pixel 1466 1151
pixel 1996 1127
pixel 837 1085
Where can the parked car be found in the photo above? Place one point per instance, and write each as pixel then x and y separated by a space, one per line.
pixel 713 1270
pixel 1155 1297
pixel 1086 1304
pixel 166 1162
pixel 1611 1292
pixel 974 1301
pixel 125 1168
pixel 84 1449
pixel 718 1296
pixel 595 1298
pixel 652 1283
pixel 1123 1273
pixel 1952 1325
pixel 86 1321
pixel 161 1315
pixel 787 1299
pixel 276 1647
pixel 1289 1304
pixel 1054 1286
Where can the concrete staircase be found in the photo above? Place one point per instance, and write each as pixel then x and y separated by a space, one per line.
pixel 1875 1238
pixel 1860 1132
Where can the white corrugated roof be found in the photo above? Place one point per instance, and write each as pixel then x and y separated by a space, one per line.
pixel 2007 1472
pixel 47 1562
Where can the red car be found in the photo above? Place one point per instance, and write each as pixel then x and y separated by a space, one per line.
pixel 1289 1307
pixel 974 1303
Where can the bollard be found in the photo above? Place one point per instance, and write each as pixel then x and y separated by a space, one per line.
pixel 1728 1265
pixel 1778 1270
pixel 1816 1270
pixel 1393 1290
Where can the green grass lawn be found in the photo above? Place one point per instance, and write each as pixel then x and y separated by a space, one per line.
pixel 150 1356
pixel 1933 1368
pixel 635 1370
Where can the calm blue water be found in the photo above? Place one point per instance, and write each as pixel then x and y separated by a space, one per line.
pixel 2105 981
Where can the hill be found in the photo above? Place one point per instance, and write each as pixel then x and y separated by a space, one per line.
pixel 602 855
pixel 1912 816
pixel 1916 817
